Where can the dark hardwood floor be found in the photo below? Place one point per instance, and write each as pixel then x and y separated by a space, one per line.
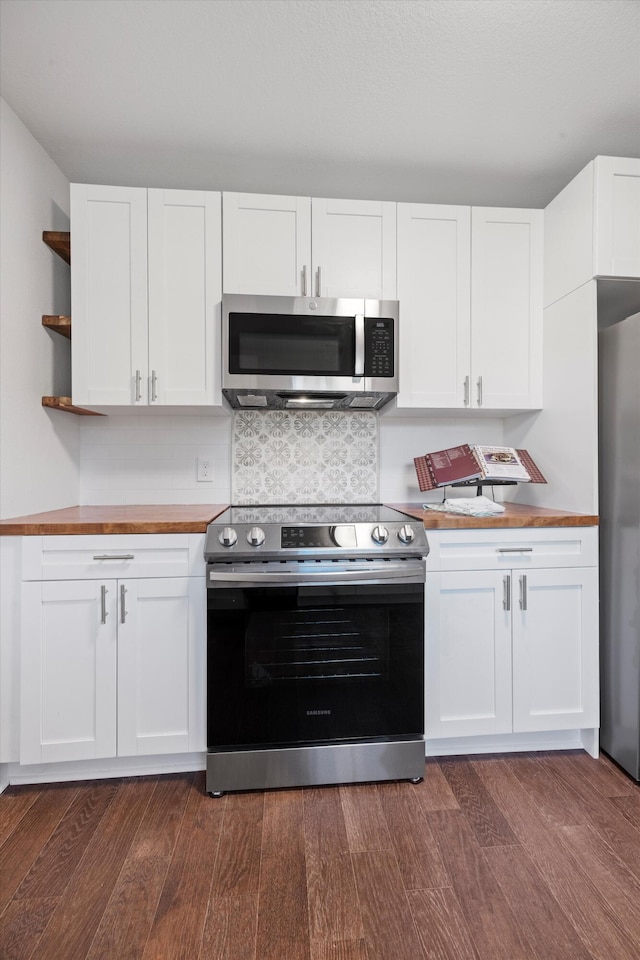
pixel 518 857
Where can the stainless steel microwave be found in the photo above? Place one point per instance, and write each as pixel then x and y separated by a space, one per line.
pixel 309 353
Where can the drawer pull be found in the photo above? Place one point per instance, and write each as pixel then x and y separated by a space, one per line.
pixel 115 556
pixel 514 549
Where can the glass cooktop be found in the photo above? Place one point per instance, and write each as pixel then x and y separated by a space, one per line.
pixel 327 513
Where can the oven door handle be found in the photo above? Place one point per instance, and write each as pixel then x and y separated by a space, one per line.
pixel 398 571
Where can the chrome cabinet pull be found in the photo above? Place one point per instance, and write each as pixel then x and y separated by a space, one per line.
pixel 514 549
pixel 103 605
pixel 138 385
pixel 523 592
pixel 114 556
pixel 319 281
pixel 123 611
pixel 359 359
pixel 506 592
pixel 479 391
pixel 154 386
pixel 466 391
pixel 304 281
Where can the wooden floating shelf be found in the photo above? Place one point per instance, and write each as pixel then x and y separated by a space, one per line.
pixel 65 404
pixel 60 243
pixel 59 324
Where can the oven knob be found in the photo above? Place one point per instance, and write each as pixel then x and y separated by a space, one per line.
pixel 255 536
pixel 406 533
pixel 228 537
pixel 380 534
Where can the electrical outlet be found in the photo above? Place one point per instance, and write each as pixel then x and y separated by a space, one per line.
pixel 205 469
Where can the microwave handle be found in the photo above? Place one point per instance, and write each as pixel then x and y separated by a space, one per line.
pixel 359 364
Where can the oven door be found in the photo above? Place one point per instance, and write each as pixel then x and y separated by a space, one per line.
pixel 299 656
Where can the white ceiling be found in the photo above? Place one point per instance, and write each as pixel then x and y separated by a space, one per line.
pixel 495 102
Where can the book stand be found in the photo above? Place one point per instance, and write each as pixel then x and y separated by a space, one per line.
pixel 479 484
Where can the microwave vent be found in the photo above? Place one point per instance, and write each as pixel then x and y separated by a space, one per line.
pixel 364 403
pixel 252 400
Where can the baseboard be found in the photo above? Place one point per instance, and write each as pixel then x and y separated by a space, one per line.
pixel 13 773
pixel 506 743
pixel 105 768
pixel 4 777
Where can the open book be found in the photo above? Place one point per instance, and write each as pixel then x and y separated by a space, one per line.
pixel 475 462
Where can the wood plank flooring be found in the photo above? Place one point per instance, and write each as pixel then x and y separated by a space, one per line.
pixel 510 857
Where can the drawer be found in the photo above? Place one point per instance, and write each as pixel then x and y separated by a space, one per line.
pixel 113 556
pixel 521 548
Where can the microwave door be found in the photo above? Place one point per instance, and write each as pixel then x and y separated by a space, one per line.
pixel 319 348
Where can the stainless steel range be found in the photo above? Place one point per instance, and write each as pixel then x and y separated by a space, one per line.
pixel 315 646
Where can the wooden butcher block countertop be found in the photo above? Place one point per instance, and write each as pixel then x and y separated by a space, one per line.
pixel 154 518
pixel 515 515
pixel 193 518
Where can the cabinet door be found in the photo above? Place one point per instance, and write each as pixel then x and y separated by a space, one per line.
pixel 185 263
pixel 555 649
pixel 467 654
pixel 267 244
pixel 506 308
pixel 354 249
pixel 161 666
pixel 109 294
pixel 617 217
pixel 434 286
pixel 68 671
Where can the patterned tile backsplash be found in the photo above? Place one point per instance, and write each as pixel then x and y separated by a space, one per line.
pixel 304 457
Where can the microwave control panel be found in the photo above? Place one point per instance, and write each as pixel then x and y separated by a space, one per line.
pixel 379 354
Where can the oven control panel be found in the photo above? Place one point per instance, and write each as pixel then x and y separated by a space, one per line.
pixel 336 535
pixel 247 541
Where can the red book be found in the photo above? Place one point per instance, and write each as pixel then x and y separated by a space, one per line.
pixel 449 466
pixel 457 464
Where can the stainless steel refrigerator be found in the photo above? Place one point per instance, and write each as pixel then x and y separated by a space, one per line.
pixel 619 441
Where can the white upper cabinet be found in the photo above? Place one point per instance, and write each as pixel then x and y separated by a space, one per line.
pixel 353 243
pixel 109 294
pixel 184 296
pixel 267 244
pixel 145 292
pixel 592 227
pixel 617 217
pixel 470 292
pixel 506 308
pixel 434 291
pixel 297 246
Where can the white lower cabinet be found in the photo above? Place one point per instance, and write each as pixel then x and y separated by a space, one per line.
pixel 511 649
pixel 112 668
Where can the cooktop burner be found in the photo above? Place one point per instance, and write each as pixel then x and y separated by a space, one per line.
pixel 314 531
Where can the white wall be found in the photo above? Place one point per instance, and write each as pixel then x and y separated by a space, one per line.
pixel 152 458
pixel 403 439
pixel 39 449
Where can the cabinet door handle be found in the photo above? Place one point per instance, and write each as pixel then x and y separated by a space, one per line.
pixel 138 385
pixel 506 592
pixel 154 386
pixel 479 391
pixel 123 610
pixel 319 283
pixel 114 556
pixel 523 592
pixel 304 281
pixel 514 549
pixel 103 605
pixel 466 391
